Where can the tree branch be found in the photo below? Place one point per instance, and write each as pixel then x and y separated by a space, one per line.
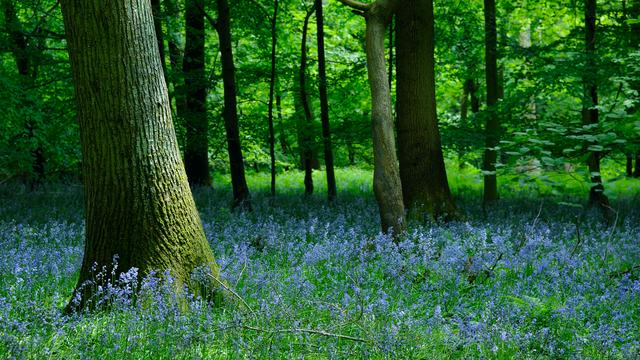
pixel 360 6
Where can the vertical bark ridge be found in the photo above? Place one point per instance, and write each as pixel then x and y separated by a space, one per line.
pixel 137 197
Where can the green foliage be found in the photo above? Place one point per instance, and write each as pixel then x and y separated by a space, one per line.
pixel 541 50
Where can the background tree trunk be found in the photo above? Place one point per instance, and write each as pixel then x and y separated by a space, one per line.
pixel 137 199
pixel 175 58
pixel 272 85
pixel 306 128
pixel 196 151
pixel 241 196
pixel 284 145
pixel 386 175
pixel 422 170
pixel 157 24
pixel 590 113
pixel 386 178
pixel 493 124
pixel 27 69
pixel 324 106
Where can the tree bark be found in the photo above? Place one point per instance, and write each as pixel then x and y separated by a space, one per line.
pixel 629 157
pixel 422 170
pixel 590 114
pixel 196 151
pixel 272 85
pixel 241 196
pixel 324 106
pixel 493 124
pixel 137 198
pixel 386 175
pixel 306 128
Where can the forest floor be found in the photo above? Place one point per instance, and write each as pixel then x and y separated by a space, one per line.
pixel 534 277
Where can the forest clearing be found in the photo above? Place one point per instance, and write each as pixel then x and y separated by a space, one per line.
pixel 319 179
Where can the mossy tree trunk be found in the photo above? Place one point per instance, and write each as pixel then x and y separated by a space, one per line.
pixel 137 199
pixel 422 170
pixel 386 175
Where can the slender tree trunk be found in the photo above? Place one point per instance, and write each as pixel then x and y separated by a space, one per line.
pixel 386 175
pixel 272 85
pixel 283 135
pixel 392 63
pixel 629 164
pixel 324 106
pixel 241 196
pixel 175 77
pixel 493 125
pixel 307 146
pixel 157 24
pixel 138 203
pixel 422 170
pixel 590 113
pixel 196 152
pixel 633 11
pixel 467 92
pixel 386 179
pixel 475 100
pixel 27 69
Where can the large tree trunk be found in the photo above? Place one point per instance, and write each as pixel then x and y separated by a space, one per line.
pixel 306 128
pixel 324 106
pixel 272 85
pixel 241 196
pixel 137 199
pixel 386 175
pixel 590 113
pixel 196 151
pixel 422 170
pixel 493 125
